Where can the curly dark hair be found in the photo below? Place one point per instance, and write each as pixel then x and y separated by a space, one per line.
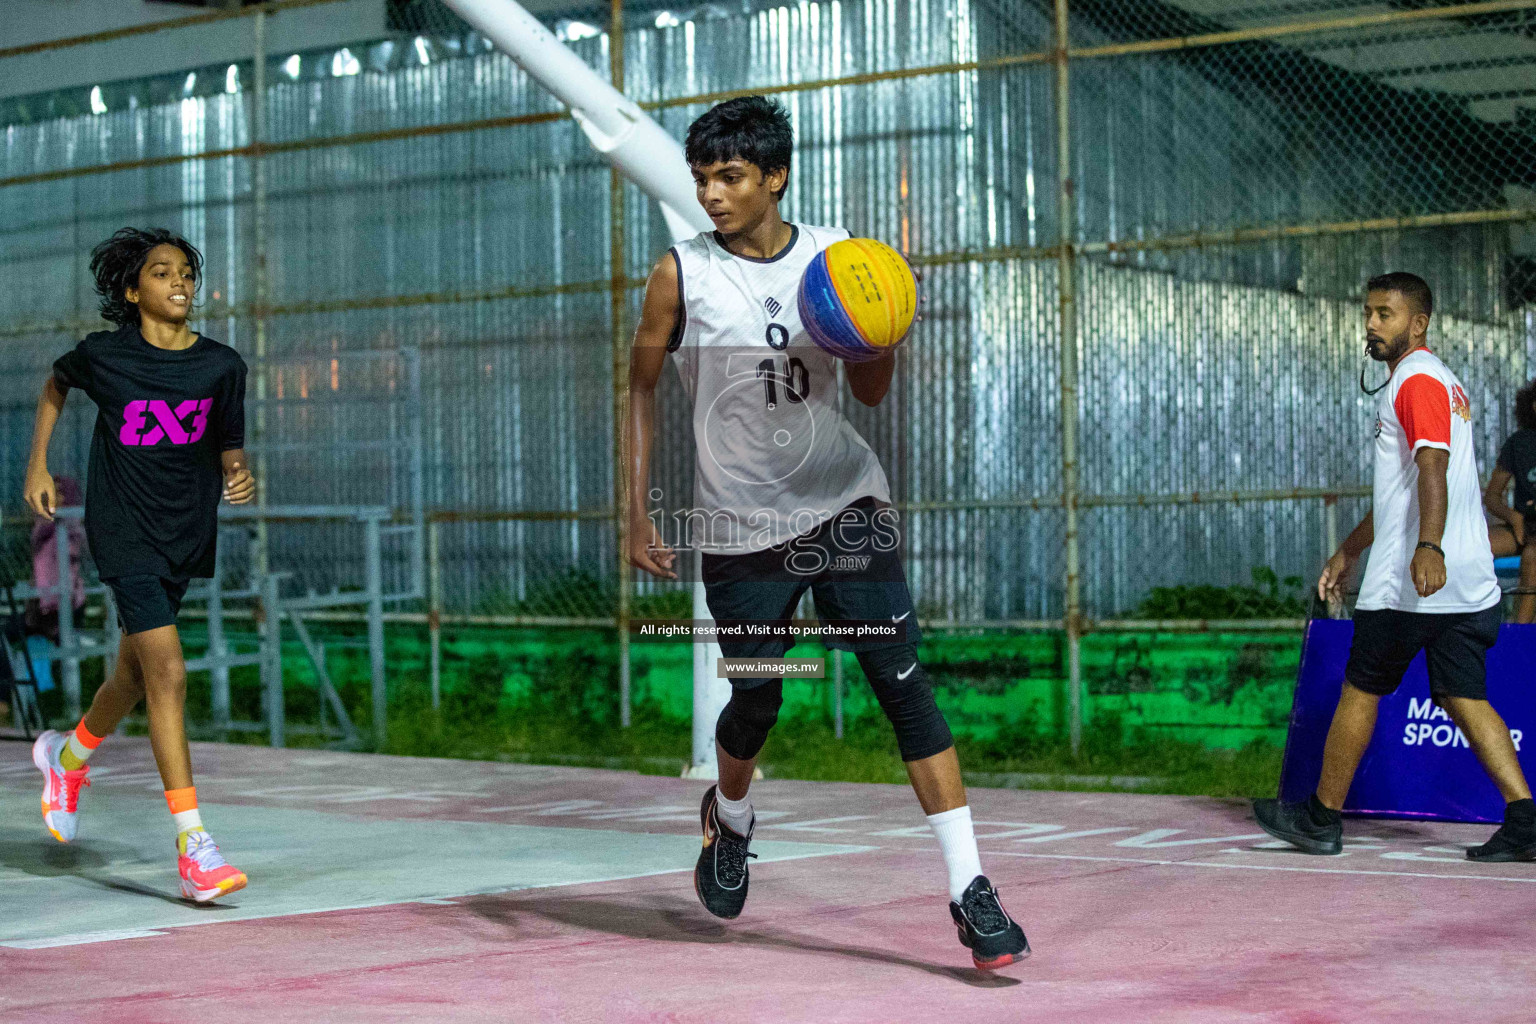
pixel 1525 405
pixel 117 263
pixel 751 128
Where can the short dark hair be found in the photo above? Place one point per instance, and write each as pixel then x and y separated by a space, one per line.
pixel 1412 286
pixel 1525 405
pixel 751 128
pixel 117 263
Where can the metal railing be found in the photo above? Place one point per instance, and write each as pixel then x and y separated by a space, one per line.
pixel 267 607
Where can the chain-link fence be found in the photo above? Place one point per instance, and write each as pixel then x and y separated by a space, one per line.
pixel 1150 416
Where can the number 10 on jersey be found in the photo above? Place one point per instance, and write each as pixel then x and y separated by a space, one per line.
pixel 790 375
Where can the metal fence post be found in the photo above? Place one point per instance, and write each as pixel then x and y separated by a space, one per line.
pixel 272 660
pixel 418 468
pixel 1331 540
pixel 1067 295
pixel 68 638
pixel 435 612
pixel 837 693
pixel 320 685
pixel 616 300
pixel 261 563
pixel 218 649
pixel 373 558
pixel 111 635
pixel 1330 525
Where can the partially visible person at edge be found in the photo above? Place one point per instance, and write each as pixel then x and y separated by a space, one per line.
pixel 169 440
pixel 1515 531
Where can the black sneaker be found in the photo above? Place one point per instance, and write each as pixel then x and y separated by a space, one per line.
pixel 994 939
pixel 1294 823
pixel 720 877
pixel 1514 841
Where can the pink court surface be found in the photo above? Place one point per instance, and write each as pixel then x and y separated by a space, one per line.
pixel 396 889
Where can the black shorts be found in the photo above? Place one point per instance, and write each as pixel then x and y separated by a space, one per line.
pixel 1455 647
pixel 850 564
pixel 146 602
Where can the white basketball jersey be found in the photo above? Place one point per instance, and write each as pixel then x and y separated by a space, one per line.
pixel 1425 405
pixel 776 457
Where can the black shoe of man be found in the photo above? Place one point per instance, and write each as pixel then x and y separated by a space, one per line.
pixel 1306 825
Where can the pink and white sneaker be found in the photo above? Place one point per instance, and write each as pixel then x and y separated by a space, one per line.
pixel 61 789
pixel 204 873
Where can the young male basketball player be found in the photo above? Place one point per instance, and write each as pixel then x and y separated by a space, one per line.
pixel 1429 584
pixel 788 497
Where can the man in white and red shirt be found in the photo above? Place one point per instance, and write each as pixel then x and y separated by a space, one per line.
pixel 1429 584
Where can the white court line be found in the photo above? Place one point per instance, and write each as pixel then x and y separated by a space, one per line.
pixel 81 938
pixel 1255 867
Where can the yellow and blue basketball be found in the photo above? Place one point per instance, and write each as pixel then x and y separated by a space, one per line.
pixel 858 299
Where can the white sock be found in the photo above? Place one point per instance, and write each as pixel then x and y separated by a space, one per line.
pixel 187 821
pixel 957 840
pixel 81 752
pixel 734 814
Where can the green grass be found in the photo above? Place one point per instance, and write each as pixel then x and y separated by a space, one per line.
pixel 548 697
pixel 807 749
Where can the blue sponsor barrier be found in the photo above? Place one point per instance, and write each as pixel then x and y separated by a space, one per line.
pixel 1418 764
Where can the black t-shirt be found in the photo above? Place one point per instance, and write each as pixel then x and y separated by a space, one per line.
pixel 1518 458
pixel 164 419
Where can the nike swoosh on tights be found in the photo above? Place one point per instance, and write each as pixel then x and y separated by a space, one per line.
pixel 903 675
pixel 898 618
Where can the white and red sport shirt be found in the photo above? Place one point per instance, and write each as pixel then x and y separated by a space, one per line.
pixel 1425 406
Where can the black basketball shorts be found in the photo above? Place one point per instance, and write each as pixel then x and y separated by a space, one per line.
pixel 1455 647
pixel 850 564
pixel 146 602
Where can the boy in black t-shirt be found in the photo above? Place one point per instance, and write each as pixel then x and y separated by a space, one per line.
pixel 169 440
pixel 1516 531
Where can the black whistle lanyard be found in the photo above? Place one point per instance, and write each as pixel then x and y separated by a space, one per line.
pixel 1379 388
pixel 1367 362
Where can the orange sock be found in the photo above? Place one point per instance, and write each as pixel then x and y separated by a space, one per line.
pixel 79 747
pixel 183 805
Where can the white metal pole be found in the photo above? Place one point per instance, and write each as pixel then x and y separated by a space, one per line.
pixel 710 692
pixel 617 128
pixel 642 150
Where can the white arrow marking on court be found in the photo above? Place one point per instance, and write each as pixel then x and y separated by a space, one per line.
pixel 549 806
pixel 1404 855
pixel 562 807
pixel 1070 835
pixel 820 824
pixel 1157 838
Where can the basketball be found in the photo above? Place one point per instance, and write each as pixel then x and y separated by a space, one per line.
pixel 858 299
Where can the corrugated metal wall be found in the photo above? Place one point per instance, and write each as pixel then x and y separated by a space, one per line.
pixel 1210 367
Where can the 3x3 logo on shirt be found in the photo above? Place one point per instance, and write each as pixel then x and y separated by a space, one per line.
pixel 148 421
